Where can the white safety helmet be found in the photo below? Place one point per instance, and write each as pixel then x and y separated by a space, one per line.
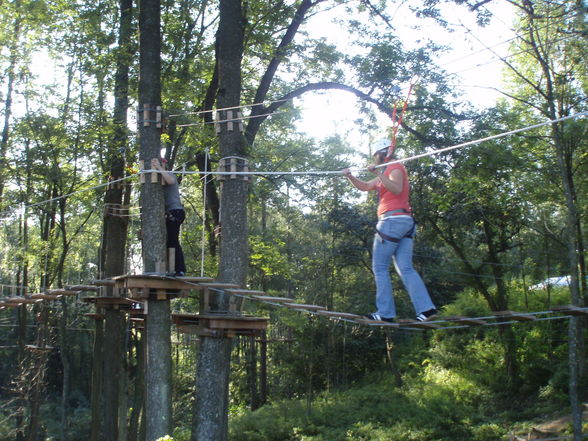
pixel 381 145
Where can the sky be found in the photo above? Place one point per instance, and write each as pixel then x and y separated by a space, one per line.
pixel 477 69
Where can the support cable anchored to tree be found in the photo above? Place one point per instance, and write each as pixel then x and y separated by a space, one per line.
pixel 320 172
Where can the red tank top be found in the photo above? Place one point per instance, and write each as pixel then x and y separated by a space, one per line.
pixel 389 201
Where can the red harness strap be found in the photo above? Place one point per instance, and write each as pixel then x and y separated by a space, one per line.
pixel 397 121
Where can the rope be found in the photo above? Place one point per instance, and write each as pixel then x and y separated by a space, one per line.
pixel 397 120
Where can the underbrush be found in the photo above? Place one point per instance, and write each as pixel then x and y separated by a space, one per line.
pixel 459 390
pixel 419 411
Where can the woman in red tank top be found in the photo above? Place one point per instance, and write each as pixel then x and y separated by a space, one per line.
pixel 394 237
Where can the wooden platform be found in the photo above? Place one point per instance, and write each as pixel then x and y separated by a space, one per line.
pixel 116 303
pixel 158 287
pixel 220 325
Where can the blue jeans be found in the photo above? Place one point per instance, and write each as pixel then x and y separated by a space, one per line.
pixel 383 253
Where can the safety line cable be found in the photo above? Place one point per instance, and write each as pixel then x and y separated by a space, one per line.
pixel 321 172
pixel 478 141
pixel 201 112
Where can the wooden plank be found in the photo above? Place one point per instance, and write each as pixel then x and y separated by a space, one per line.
pixel 114 301
pixel 235 324
pixel 471 321
pixel 138 322
pixel 570 310
pixel 335 314
pixel 154 283
pixel 95 316
pixel 517 316
pixel 39 348
pixel 9 305
pixel 304 306
pixel 82 287
pixel 103 282
pixel 22 300
pixel 272 299
pixel 418 324
pixel 368 322
pixel 220 321
pixel 195 279
pixel 63 292
pixel 43 296
pixel 219 285
pixel 245 292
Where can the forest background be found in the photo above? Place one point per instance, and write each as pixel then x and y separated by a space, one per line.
pixel 494 218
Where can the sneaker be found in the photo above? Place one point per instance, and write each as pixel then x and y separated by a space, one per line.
pixel 378 318
pixel 427 315
pixel 180 274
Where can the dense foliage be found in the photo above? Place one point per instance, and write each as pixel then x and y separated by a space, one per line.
pixel 494 219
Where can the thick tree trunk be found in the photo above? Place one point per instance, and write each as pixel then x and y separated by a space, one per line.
pixel 214 357
pixel 157 324
pixel 11 76
pixel 575 327
pixel 115 237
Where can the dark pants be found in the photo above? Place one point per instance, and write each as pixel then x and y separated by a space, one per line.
pixel 173 221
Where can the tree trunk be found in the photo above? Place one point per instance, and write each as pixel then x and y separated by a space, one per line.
pixel 114 235
pixel 64 352
pixel 138 397
pixel 263 370
pixel 11 75
pixel 252 373
pixel 157 323
pixel 214 357
pixel 97 372
pixel 575 328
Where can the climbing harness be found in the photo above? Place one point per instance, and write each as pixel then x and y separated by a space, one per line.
pixel 409 234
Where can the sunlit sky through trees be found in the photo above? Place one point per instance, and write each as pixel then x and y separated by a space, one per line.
pixel 473 62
